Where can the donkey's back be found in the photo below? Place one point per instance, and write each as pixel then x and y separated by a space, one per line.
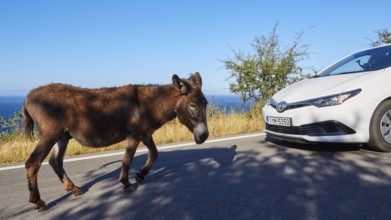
pixel 94 117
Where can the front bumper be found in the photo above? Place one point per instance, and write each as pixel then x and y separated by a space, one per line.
pixel 325 128
pixel 345 123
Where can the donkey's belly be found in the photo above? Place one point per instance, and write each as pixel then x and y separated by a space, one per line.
pixel 98 141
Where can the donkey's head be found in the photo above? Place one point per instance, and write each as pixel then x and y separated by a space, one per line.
pixel 191 106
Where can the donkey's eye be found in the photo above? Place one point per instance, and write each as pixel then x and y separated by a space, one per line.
pixel 193 110
pixel 193 106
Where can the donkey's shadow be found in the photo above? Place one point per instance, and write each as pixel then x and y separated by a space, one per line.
pixel 167 163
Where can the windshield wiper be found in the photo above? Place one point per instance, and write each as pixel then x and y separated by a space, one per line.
pixel 343 73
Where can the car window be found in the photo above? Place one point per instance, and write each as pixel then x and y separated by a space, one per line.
pixel 351 66
pixel 367 60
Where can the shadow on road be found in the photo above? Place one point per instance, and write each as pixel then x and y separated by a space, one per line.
pixel 319 147
pixel 267 181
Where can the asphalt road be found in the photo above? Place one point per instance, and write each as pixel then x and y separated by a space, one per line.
pixel 244 177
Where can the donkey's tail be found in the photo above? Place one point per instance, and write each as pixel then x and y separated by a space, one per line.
pixel 28 123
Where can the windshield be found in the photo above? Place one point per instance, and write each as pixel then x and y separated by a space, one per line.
pixel 368 60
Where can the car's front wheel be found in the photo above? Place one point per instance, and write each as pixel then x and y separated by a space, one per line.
pixel 380 128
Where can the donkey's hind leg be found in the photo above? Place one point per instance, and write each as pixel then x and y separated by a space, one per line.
pixel 152 155
pixel 32 165
pixel 131 146
pixel 56 162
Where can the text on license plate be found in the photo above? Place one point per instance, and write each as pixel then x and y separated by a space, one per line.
pixel 279 121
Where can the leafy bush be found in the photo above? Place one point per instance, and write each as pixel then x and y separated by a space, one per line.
pixel 269 67
pixel 11 128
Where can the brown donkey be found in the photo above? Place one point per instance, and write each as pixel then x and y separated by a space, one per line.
pixel 102 117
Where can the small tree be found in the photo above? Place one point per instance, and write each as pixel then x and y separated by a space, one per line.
pixel 267 69
pixel 383 37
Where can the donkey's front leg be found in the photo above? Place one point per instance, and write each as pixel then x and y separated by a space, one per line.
pixel 56 161
pixel 131 146
pixel 152 155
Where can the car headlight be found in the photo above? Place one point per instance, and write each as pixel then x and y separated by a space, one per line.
pixel 336 99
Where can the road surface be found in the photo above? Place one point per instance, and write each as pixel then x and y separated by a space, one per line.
pixel 237 177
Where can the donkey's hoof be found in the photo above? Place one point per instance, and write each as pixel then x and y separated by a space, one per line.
pixel 77 191
pixel 139 178
pixel 41 207
pixel 129 188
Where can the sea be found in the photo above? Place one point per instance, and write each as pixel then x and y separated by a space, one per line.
pixel 11 104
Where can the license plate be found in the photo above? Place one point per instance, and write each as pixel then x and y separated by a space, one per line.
pixel 279 121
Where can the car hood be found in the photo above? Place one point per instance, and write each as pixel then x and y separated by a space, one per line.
pixel 322 86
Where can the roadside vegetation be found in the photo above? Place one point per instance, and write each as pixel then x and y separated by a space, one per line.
pixel 14 147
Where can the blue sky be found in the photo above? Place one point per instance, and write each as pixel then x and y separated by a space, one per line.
pixel 93 43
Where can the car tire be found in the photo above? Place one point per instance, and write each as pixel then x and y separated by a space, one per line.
pixel 380 128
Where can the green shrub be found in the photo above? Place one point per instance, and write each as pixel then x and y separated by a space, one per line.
pixel 11 128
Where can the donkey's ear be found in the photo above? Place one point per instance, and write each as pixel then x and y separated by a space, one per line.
pixel 181 85
pixel 196 78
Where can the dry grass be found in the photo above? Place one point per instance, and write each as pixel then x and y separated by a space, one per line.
pixel 219 124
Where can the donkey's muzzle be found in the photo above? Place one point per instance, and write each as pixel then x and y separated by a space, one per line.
pixel 201 133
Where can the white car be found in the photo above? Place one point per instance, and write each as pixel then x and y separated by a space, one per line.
pixel 348 102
